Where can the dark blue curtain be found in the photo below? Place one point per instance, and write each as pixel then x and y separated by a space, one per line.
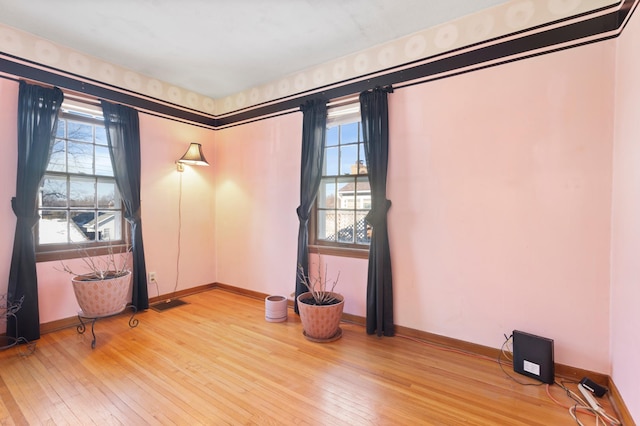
pixel 314 130
pixel 375 130
pixel 38 109
pixel 123 136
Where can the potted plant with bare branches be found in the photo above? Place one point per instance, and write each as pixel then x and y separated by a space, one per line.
pixel 320 307
pixel 105 288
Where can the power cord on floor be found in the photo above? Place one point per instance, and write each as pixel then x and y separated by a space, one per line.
pixel 579 406
pixel 175 287
pixel 591 408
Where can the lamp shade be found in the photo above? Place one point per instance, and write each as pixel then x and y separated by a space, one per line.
pixel 194 156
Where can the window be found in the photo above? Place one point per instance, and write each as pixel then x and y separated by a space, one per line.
pixel 79 203
pixel 344 196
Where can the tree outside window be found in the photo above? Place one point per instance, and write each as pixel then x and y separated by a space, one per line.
pixel 79 202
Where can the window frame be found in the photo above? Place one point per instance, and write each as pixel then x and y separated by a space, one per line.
pixel 63 251
pixel 342 115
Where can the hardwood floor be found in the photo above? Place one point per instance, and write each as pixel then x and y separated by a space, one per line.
pixel 217 361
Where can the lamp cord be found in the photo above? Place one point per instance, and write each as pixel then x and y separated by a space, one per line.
pixel 175 287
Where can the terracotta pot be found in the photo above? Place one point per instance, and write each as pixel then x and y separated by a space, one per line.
pixel 103 297
pixel 321 322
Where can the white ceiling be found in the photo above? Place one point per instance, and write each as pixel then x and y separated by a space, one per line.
pixel 220 47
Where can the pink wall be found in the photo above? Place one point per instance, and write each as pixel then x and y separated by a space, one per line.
pixel 8 136
pixel 258 191
pixel 162 142
pixel 500 182
pixel 258 181
pixel 625 223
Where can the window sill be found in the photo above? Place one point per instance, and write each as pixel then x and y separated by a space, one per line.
pixel 340 251
pixel 74 253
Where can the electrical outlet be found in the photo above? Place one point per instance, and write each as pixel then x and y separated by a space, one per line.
pixel 152 276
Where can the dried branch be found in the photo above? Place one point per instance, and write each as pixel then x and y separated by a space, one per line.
pixel 9 308
pixel 100 267
pixel 318 285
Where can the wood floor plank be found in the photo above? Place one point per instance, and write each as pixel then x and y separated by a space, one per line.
pixel 217 361
pixel 10 413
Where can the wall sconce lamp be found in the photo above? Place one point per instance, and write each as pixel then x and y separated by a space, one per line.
pixel 193 156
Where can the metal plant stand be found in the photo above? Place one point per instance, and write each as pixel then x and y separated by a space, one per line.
pixel 8 310
pixel 133 322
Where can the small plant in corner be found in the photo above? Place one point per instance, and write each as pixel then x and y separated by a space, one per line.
pixel 318 287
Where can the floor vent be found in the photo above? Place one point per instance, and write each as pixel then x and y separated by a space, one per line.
pixel 164 305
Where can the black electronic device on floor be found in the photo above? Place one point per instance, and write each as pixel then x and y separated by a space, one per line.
pixel 533 356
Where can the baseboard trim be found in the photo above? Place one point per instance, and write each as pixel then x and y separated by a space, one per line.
pixel 182 293
pixel 49 327
pixel 618 404
pixel 242 291
pixel 561 370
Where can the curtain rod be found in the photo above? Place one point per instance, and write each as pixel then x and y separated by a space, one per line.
pixel 96 101
pixel 68 94
pixel 74 96
pixel 349 99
